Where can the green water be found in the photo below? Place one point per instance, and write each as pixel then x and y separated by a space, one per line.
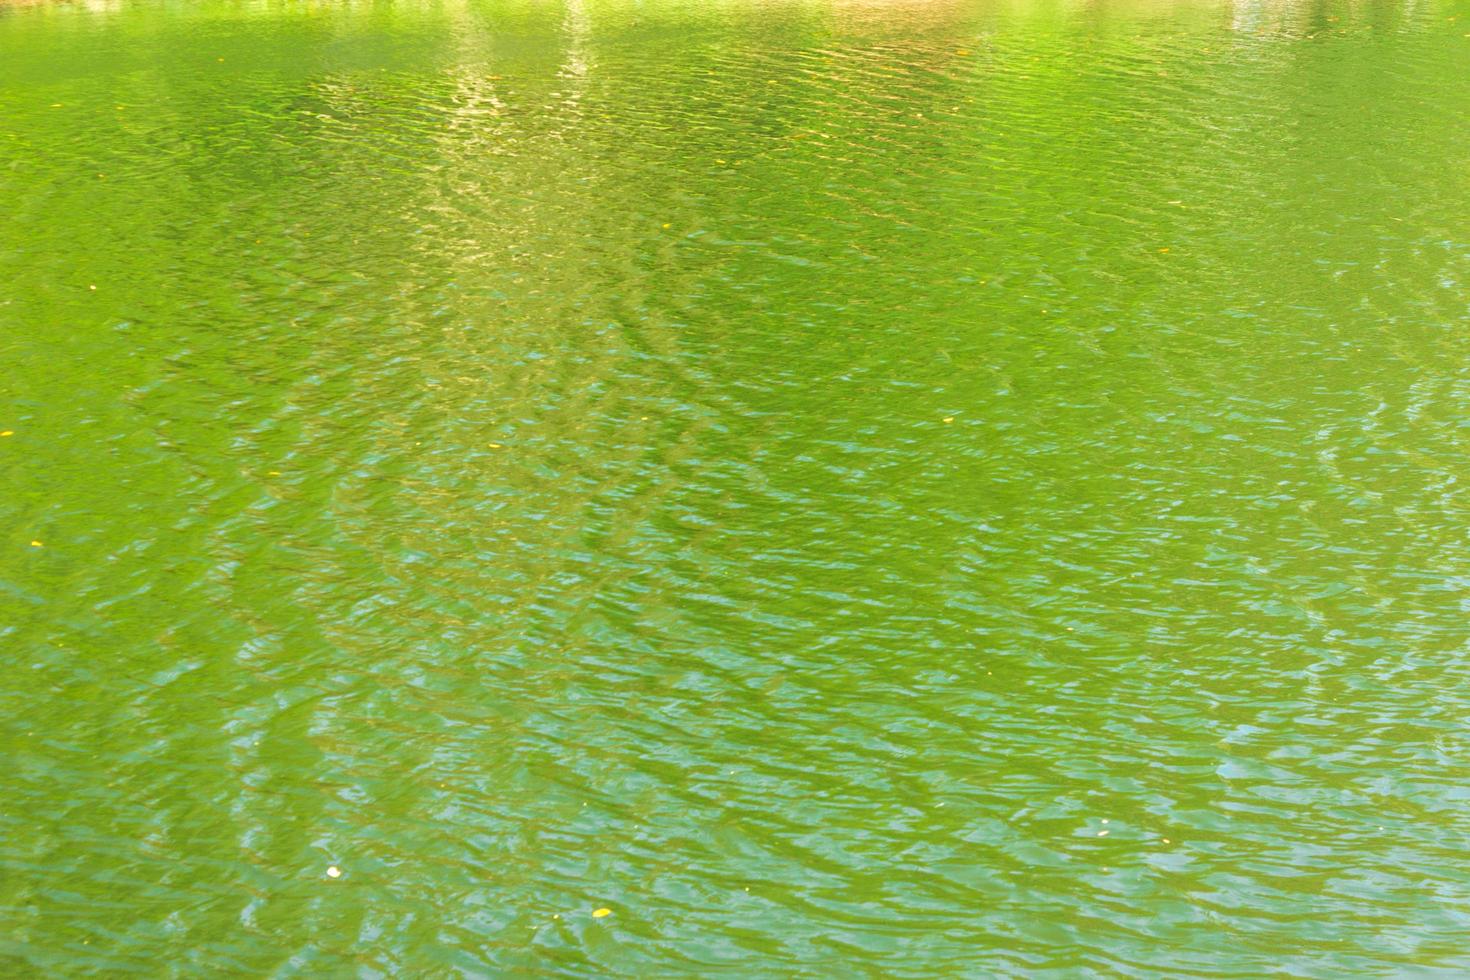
pixel 895 489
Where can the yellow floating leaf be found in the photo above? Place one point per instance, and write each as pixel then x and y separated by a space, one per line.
pixel 949 418
pixel 7 432
pixel 600 913
pixel 35 544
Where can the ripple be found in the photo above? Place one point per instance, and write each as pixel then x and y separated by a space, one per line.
pixel 917 488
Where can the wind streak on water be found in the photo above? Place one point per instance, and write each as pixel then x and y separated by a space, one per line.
pixel 919 488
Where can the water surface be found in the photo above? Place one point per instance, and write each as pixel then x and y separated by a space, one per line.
pixel 897 488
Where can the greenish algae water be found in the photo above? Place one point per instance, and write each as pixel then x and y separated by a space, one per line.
pixel 895 489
